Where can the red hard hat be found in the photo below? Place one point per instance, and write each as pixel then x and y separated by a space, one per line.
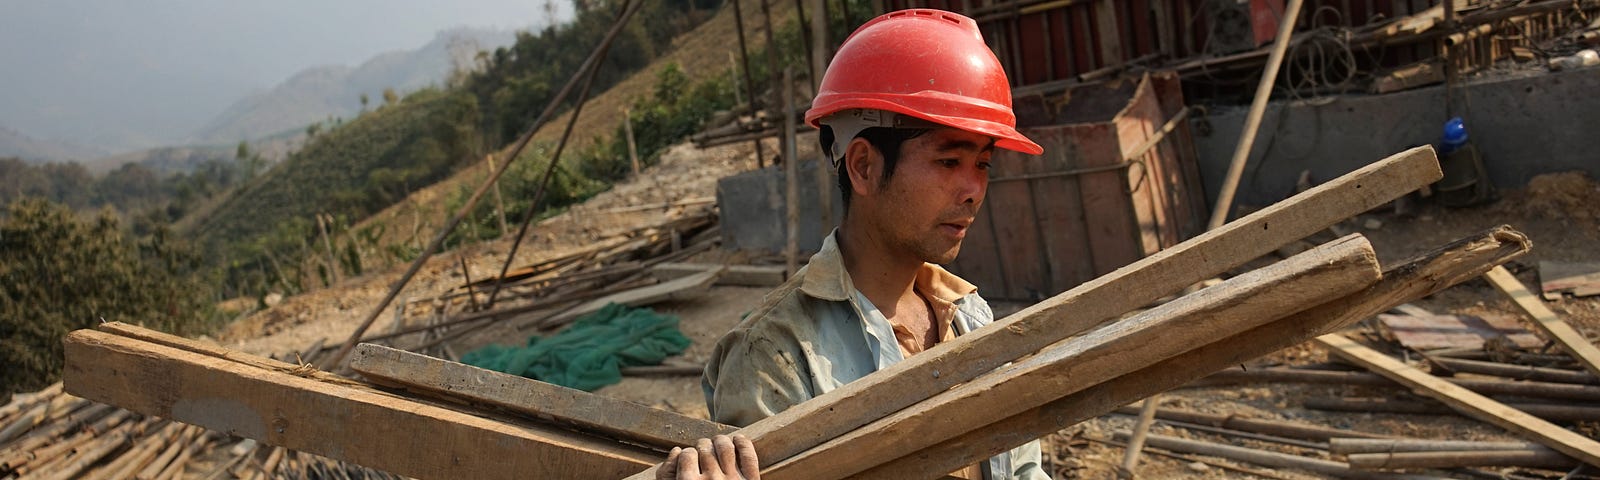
pixel 929 64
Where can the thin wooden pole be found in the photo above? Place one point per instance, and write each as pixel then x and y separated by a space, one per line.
pixel 627 129
pixel 791 179
pixel 499 202
pixel 1252 121
pixel 749 81
pixel 590 63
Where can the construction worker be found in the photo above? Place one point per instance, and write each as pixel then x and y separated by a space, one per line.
pixel 910 111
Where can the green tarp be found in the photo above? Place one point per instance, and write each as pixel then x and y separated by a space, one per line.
pixel 591 353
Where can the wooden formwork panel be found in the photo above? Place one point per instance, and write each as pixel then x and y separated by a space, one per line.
pixel 1093 202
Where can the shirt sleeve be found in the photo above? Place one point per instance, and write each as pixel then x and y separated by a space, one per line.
pixel 754 374
pixel 1027 463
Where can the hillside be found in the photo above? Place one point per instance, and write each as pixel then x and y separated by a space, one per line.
pixel 705 52
pixel 20 145
pixel 322 93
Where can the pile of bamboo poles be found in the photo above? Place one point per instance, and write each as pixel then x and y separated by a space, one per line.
pixel 1557 387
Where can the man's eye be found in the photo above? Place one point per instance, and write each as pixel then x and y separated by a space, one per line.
pixel 950 162
pixel 983 165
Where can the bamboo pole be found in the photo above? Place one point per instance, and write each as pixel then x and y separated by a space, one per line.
pixel 1453 459
pixel 1519 372
pixel 1565 391
pixel 1547 411
pixel 791 176
pixel 1347 446
pixel 589 64
pixel 1266 458
pixel 1280 428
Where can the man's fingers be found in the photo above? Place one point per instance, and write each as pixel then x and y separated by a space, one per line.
pixel 688 465
pixel 749 465
pixel 669 469
pixel 726 459
pixel 708 457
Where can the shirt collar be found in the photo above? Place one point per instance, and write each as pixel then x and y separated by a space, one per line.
pixel 826 278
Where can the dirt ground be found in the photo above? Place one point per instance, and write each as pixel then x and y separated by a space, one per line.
pixel 1560 213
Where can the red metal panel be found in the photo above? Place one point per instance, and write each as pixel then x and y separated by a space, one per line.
pixel 1031 39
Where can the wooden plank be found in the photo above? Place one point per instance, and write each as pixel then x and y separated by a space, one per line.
pixel 671 290
pixel 1061 212
pixel 1546 320
pixel 1247 301
pixel 348 423
pixel 1580 279
pixel 1462 260
pixel 1012 215
pixel 1107 207
pixel 1465 401
pixel 453 381
pixel 1423 332
pixel 1107 35
pixel 735 275
pixel 963 359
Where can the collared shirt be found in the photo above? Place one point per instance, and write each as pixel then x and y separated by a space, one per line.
pixel 816 333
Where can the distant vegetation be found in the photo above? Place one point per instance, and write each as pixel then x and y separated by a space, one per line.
pixel 61 271
pixel 256 229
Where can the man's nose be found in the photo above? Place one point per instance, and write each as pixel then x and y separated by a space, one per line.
pixel 974 186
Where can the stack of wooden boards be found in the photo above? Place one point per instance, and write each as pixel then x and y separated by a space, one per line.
pixel 1069 358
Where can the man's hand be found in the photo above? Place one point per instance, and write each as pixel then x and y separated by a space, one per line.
pixel 718 458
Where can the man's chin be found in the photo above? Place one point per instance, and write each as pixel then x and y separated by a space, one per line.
pixel 945 257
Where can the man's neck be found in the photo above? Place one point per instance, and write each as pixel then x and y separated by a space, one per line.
pixel 879 271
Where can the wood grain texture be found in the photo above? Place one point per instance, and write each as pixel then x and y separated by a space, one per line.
pixel 1465 401
pixel 1421 276
pixel 453 381
pixel 1341 267
pixel 1545 320
pixel 341 422
pixel 900 385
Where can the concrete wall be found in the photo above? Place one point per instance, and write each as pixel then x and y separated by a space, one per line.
pixel 1523 127
pixel 753 209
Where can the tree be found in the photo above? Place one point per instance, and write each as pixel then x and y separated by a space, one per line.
pixel 60 273
pixel 389 97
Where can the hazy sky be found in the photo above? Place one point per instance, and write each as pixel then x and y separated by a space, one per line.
pixel 104 72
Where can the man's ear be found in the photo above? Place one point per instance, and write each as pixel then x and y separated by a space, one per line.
pixel 864 165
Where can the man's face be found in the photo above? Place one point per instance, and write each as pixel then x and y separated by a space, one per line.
pixel 933 196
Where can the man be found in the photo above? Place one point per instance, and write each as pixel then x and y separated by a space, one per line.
pixel 910 111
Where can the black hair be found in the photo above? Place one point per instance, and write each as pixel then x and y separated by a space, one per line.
pixel 886 140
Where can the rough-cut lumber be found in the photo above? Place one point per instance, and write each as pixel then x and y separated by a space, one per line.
pixel 1461 260
pixel 1546 320
pixel 1263 426
pixel 1459 459
pixel 1247 301
pixel 1566 391
pixel 1580 279
pixel 1520 372
pixel 339 421
pixel 674 289
pixel 735 275
pixel 1346 446
pixel 1465 401
pixel 525 396
pixel 1092 303
pixel 1547 411
pixel 1269 459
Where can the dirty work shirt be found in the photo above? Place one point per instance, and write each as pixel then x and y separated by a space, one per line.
pixel 817 332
